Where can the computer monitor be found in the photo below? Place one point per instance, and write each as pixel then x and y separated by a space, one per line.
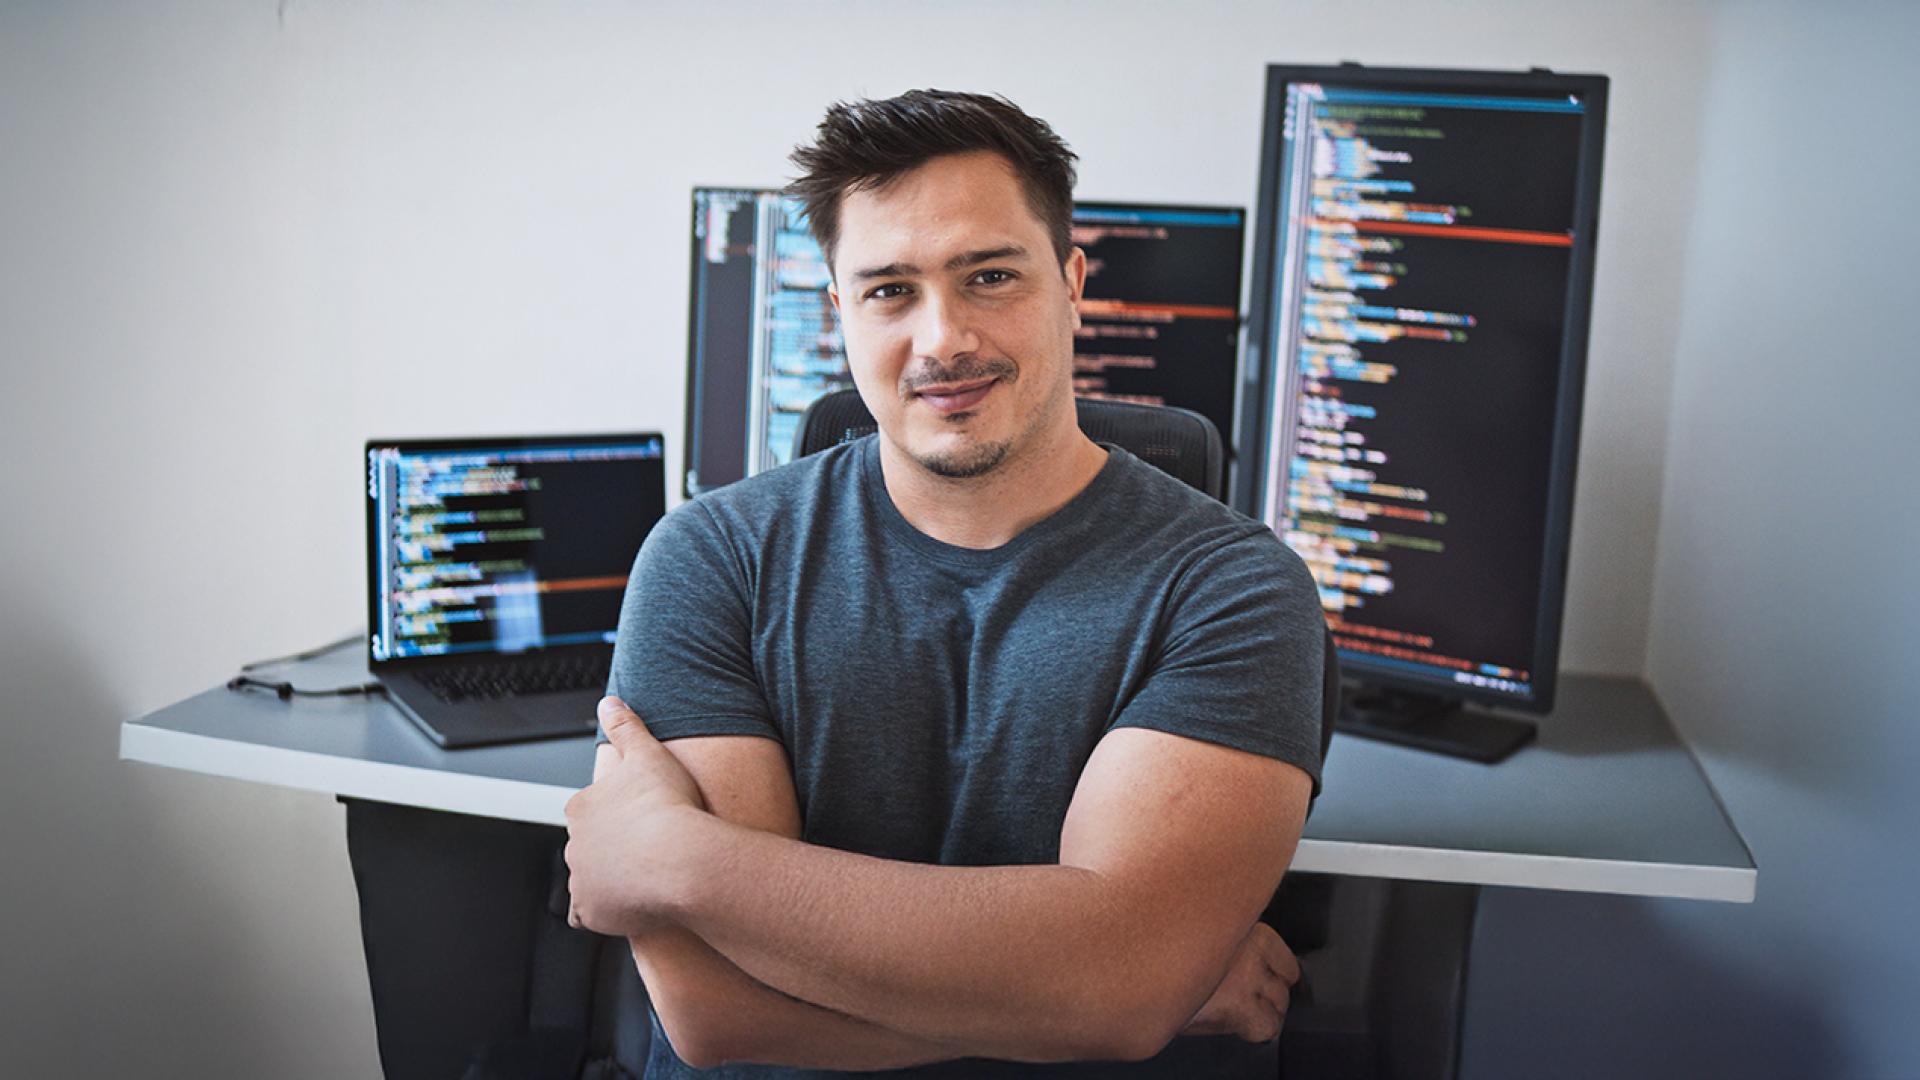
pixel 762 340
pixel 504 545
pixel 1416 349
pixel 1160 315
pixel 1160 321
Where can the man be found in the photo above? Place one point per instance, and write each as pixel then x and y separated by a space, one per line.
pixel 988 744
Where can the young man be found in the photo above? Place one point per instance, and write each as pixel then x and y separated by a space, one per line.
pixel 987 744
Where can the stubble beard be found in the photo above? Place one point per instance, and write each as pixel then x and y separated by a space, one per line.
pixel 968 463
pixel 977 458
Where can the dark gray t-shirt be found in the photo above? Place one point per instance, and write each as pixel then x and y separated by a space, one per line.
pixel 938 703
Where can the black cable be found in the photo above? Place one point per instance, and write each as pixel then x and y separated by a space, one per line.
pixel 286 691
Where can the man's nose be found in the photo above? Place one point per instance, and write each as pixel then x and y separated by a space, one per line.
pixel 944 328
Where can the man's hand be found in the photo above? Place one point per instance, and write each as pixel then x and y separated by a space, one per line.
pixel 1251 1001
pixel 619 827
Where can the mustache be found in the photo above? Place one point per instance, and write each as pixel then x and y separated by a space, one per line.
pixel 935 374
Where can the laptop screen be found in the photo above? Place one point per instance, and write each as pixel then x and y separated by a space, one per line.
pixel 504 545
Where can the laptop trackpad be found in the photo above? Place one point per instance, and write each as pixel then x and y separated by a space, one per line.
pixel 571 710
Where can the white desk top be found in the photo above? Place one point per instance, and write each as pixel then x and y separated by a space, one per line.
pixel 1607 800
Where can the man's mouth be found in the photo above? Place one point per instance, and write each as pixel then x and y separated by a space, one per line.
pixel 956 397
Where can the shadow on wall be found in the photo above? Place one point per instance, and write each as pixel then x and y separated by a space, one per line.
pixel 1584 723
pixel 1576 986
pixel 125 956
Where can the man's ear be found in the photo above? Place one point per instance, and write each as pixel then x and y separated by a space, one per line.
pixel 1076 274
pixel 833 294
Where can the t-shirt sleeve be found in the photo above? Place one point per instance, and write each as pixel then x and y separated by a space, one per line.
pixel 683 658
pixel 1241 656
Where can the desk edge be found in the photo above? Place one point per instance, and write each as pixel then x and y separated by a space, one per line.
pixel 544 804
pixel 404 785
pixel 1680 881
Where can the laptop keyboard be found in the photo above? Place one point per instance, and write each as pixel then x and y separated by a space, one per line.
pixel 519 678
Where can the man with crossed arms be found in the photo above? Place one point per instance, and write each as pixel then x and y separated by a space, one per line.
pixel 972 748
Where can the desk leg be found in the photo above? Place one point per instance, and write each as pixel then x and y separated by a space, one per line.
pixel 464 955
pixel 1423 982
pixel 1389 984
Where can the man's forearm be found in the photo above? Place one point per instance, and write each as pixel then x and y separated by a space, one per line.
pixel 1167 854
pixel 714 1013
pixel 1029 962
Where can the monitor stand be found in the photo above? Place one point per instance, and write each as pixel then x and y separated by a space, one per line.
pixel 1437 724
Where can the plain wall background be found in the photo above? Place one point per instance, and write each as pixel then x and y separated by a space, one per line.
pixel 236 239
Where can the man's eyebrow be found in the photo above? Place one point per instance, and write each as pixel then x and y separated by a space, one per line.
pixel 893 269
pixel 958 262
pixel 975 258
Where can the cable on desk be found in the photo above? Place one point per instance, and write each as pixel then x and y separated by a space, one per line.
pixel 286 691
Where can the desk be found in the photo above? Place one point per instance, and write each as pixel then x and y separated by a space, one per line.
pixel 1607 800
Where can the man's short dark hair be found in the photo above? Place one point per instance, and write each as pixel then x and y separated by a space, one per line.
pixel 862 145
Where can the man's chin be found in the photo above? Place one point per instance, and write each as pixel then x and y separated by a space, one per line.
pixel 966 461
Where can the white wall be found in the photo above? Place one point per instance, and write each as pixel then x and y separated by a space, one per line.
pixel 1786 598
pixel 1786 622
pixel 238 238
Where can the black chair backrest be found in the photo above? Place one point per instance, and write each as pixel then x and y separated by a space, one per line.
pixel 1180 442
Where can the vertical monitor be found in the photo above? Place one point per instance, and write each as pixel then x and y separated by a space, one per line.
pixel 1160 321
pixel 1416 351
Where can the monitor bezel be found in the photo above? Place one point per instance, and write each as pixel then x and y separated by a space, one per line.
pixel 657 476
pixel 1259 369
pixel 1169 208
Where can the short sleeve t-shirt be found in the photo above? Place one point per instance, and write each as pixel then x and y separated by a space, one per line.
pixel 939 703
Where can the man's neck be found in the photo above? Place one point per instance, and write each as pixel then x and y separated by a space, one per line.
pixel 984 512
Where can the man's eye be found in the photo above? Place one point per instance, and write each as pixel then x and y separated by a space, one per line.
pixel 994 277
pixel 890 291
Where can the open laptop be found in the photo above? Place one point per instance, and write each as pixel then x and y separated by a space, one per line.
pixel 495 571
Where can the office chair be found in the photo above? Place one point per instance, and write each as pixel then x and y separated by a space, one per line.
pixel 1390 971
pixel 1182 443
pixel 1380 1008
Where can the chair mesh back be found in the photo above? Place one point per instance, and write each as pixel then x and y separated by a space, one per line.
pixel 831 420
pixel 1181 443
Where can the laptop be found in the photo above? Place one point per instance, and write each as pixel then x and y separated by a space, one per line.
pixel 495 572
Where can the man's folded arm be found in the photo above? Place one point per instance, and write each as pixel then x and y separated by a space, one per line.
pixel 713 1012
pixel 1170 849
